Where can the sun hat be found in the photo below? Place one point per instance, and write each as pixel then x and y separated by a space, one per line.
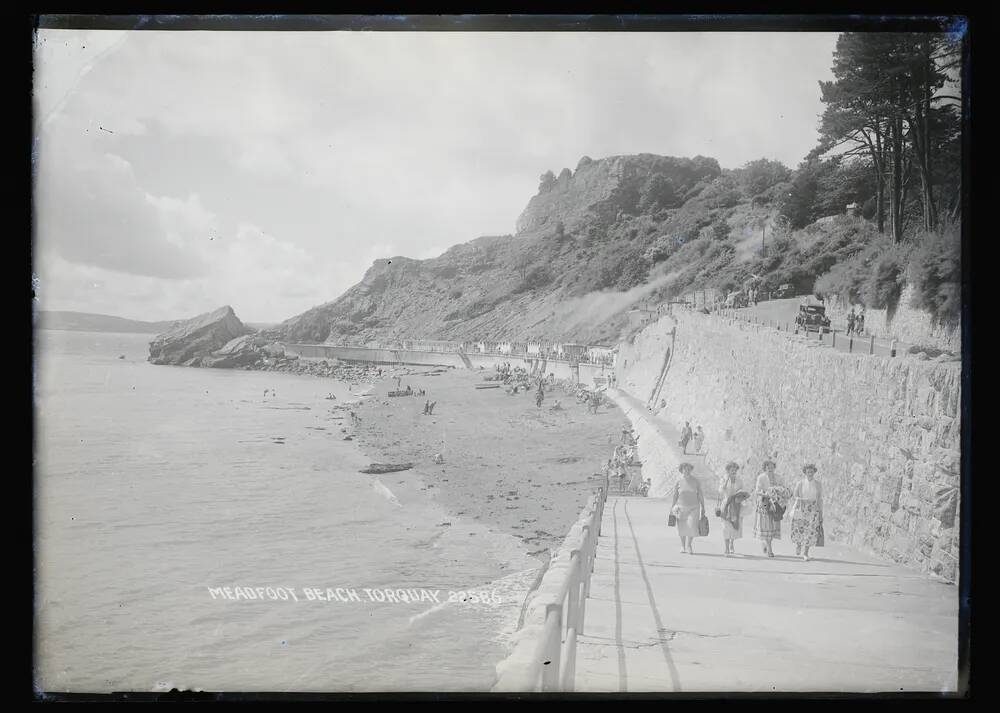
pixel 809 466
pixel 769 462
pixel 732 465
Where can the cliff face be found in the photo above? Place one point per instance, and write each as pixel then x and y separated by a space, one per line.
pixel 570 242
pixel 883 432
pixel 192 342
pixel 592 244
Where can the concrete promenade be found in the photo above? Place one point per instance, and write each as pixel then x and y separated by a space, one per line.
pixel 659 620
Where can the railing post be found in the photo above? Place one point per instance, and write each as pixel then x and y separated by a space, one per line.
pixel 892 348
pixel 553 644
pixel 833 339
pixel 850 344
pixel 871 346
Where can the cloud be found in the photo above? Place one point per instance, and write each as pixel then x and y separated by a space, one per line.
pixel 338 145
pixel 89 207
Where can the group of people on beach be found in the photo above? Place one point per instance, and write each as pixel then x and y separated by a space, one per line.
pixel 770 502
pixel 617 468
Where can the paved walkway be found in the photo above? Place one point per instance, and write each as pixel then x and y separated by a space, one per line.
pixel 659 620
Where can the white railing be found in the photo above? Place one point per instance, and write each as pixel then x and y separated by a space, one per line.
pixel 553 665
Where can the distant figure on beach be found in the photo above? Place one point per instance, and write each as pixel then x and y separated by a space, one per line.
pixel 685 436
pixel 539 398
pixel 687 507
pixel 699 439
pixel 266 392
pixel 427 407
pixel 556 406
pixel 430 409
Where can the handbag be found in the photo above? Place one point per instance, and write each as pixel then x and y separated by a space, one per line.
pixel 703 526
pixel 672 520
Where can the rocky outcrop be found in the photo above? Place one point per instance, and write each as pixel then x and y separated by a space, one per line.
pixel 241 351
pixel 192 342
pixel 570 237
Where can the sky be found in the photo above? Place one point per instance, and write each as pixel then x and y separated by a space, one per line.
pixel 176 172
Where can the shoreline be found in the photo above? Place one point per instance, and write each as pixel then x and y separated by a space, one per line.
pixel 507 464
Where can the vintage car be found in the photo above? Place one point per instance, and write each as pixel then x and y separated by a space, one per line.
pixel 812 318
pixel 783 291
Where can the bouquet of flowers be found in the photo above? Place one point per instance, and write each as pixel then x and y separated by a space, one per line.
pixel 776 500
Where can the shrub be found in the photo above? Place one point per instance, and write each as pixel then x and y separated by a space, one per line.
pixel 935 270
pixel 886 281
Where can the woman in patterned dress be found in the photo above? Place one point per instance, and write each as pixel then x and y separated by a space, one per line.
pixel 688 506
pixel 807 513
pixel 765 527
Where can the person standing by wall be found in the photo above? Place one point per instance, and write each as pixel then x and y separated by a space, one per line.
pixel 699 439
pixel 807 512
pixel 685 436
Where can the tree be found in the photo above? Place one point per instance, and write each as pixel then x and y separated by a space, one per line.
pixel 757 176
pixel 547 180
pixel 886 103
pixel 521 264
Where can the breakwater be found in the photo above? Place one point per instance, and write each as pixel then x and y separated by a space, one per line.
pixel 581 372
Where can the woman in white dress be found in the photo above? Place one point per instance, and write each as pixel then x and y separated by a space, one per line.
pixel 699 439
pixel 688 507
pixel 731 512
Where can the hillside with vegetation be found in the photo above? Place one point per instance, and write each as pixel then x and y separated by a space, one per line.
pixel 612 233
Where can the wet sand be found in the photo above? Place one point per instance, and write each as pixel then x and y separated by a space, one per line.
pixel 507 464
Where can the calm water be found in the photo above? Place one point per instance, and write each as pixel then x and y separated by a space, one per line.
pixel 154 484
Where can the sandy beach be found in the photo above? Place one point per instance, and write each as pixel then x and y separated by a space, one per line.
pixel 508 464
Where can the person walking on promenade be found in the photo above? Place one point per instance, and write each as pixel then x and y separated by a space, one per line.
pixel 685 436
pixel 687 506
pixel 807 512
pixel 850 322
pixel 699 439
pixel 766 526
pixel 859 323
pixel 731 497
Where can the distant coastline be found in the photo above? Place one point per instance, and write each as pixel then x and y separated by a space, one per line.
pixel 90 322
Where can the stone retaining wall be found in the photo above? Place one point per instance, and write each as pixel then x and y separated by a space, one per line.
pixel 906 324
pixel 884 433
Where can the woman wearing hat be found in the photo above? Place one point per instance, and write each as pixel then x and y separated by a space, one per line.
pixel 688 506
pixel 807 511
pixel 765 526
pixel 731 497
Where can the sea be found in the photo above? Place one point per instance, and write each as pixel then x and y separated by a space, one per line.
pixel 193 533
